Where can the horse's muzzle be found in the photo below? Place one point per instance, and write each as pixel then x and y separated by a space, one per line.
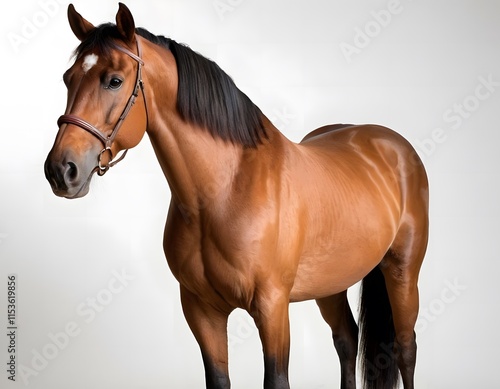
pixel 65 177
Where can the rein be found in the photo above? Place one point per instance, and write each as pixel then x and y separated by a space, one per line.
pixel 107 141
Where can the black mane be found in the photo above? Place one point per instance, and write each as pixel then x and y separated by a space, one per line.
pixel 206 96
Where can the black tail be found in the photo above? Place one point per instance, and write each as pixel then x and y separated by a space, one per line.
pixel 378 359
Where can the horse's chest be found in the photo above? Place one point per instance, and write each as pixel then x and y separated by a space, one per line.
pixel 199 264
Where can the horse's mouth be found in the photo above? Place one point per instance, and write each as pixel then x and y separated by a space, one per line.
pixel 72 193
pixel 75 192
pixel 82 192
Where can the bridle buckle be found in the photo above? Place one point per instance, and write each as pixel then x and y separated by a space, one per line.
pixel 105 168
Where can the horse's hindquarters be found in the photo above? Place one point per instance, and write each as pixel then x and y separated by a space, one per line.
pixel 356 185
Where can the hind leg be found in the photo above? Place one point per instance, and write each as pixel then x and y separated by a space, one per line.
pixel 337 313
pixel 403 295
pixel 400 268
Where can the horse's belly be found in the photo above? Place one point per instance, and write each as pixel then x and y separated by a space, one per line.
pixel 324 271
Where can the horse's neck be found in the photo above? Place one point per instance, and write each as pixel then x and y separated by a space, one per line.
pixel 198 167
pixel 201 169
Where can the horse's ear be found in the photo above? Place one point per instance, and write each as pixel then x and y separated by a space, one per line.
pixel 125 23
pixel 80 27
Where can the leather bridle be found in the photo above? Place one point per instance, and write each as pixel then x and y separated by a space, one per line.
pixel 108 140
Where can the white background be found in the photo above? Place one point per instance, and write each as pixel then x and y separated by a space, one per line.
pixel 413 74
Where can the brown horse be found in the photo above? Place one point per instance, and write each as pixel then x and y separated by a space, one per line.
pixel 255 221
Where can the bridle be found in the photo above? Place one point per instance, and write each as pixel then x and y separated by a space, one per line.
pixel 108 140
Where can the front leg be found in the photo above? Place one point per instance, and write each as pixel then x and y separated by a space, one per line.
pixel 209 327
pixel 270 313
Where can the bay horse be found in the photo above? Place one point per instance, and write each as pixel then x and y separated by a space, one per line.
pixel 255 221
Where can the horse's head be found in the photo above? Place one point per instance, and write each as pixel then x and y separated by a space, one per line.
pixel 101 118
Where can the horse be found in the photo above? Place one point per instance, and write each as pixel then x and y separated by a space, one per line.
pixel 255 221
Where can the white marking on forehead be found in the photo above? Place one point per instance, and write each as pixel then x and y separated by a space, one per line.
pixel 89 61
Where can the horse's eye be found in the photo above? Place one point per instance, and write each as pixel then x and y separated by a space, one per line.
pixel 115 83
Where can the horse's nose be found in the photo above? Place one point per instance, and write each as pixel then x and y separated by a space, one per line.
pixel 60 174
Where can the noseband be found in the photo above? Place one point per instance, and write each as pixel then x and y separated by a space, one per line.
pixel 108 140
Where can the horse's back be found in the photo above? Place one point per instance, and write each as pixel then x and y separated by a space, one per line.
pixel 325 130
pixel 340 133
pixel 346 141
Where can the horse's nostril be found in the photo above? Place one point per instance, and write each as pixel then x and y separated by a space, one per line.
pixel 71 172
pixel 54 174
